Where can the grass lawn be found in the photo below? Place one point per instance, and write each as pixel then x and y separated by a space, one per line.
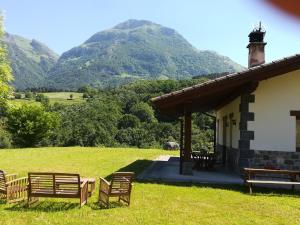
pixel 59 97
pixel 62 97
pixel 152 203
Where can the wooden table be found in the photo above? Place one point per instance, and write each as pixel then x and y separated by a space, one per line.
pixel 203 160
pixel 251 174
pixel 91 184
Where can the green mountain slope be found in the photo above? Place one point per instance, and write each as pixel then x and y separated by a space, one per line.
pixel 30 61
pixel 135 49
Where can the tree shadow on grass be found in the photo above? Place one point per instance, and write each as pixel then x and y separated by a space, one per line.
pixel 43 206
pixel 137 167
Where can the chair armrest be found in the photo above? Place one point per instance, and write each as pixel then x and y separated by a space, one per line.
pixel 104 185
pixel 10 177
pixel 21 182
pixel 105 182
pixel 85 182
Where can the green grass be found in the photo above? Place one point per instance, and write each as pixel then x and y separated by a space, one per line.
pixel 59 97
pixel 152 203
pixel 19 102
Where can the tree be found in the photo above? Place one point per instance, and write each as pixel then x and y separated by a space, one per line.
pixel 30 124
pixel 5 69
pixel 127 121
pixel 5 136
pixel 29 95
pixel 143 111
pixel 71 96
pixel 42 99
pixel 85 95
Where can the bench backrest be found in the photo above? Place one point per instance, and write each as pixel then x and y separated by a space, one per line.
pixel 53 185
pixel 2 181
pixel 121 181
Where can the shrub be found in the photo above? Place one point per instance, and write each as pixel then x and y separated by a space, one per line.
pixel 5 136
pixel 30 124
pixel 143 111
pixel 127 121
pixel 18 96
pixel 29 95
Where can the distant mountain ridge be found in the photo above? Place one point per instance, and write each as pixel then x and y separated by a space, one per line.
pixel 30 60
pixel 135 49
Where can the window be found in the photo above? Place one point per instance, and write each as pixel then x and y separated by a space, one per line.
pixel 230 129
pixel 297 115
pixel 298 134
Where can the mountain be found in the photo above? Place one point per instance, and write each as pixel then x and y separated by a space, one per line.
pixel 135 49
pixel 30 60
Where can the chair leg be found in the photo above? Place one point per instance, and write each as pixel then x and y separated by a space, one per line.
pixel 250 189
pixel 125 198
pixel 103 198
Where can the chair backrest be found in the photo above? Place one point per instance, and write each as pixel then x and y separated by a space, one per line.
pixel 53 184
pixel 121 181
pixel 2 180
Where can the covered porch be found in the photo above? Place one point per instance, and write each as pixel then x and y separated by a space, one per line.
pixel 205 98
pixel 165 168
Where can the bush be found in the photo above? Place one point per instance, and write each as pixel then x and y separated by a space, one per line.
pixel 127 121
pixel 144 112
pixel 30 124
pixel 5 137
pixel 90 124
pixel 18 96
pixel 136 137
pixel 29 95
pixel 85 95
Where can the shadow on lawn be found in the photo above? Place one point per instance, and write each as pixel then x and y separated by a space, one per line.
pixel 137 167
pixel 44 206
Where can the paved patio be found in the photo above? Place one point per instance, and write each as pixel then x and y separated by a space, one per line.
pixel 166 168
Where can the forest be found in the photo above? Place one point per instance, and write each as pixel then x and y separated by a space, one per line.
pixel 112 117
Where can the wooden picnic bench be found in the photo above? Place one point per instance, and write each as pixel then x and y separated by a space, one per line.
pixel 57 185
pixel 271 177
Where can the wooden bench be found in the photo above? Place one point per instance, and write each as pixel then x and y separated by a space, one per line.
pixel 57 185
pixel 271 177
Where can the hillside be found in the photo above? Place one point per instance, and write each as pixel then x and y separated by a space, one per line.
pixel 30 61
pixel 135 49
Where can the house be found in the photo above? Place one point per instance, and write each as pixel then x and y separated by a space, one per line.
pixel 257 112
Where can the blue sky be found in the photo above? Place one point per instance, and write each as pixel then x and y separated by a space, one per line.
pixel 219 25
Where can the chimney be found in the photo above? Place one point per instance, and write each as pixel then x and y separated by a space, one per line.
pixel 256 47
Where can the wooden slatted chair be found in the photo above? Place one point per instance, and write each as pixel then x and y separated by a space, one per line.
pixel 13 189
pixel 57 185
pixel 120 186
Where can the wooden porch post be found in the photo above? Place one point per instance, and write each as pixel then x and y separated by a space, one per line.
pixel 181 145
pixel 187 162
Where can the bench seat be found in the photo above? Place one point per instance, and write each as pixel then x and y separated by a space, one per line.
pixel 57 185
pixel 272 182
pixel 258 176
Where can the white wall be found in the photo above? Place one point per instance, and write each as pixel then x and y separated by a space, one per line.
pixel 232 107
pixel 274 128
